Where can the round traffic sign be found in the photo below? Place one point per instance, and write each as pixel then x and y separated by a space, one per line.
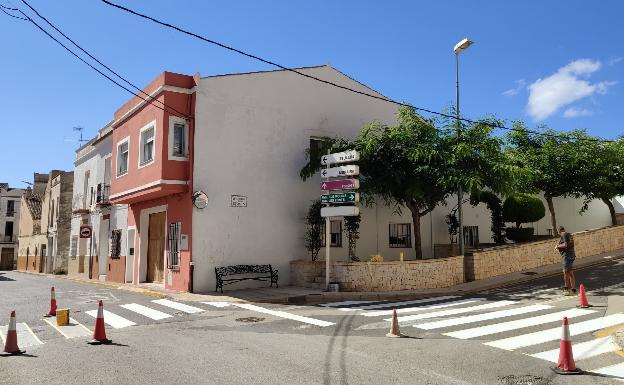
pixel 85 231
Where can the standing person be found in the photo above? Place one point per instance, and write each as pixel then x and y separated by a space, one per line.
pixel 566 249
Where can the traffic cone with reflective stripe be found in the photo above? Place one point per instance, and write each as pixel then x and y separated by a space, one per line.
pixel 583 303
pixel 394 326
pixel 52 311
pixel 566 364
pixel 10 346
pixel 99 334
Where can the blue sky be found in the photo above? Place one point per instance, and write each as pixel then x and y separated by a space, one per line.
pixel 545 62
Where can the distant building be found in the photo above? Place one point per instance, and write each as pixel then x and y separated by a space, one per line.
pixel 9 225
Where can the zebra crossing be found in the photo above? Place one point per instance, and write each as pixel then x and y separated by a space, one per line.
pixel 527 327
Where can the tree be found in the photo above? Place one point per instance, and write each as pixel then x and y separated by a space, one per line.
pixel 352 225
pixel 314 228
pixel 519 209
pixel 494 204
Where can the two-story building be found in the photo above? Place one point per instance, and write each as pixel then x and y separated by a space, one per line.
pixel 9 225
pixel 101 254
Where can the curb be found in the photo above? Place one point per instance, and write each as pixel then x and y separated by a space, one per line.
pixel 618 339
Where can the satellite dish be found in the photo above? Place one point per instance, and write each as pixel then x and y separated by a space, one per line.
pixel 200 199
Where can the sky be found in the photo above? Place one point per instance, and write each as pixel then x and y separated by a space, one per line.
pixel 553 63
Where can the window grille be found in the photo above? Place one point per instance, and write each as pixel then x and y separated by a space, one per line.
pixel 471 236
pixel 174 245
pixel 179 139
pixel 335 230
pixel 115 243
pixel 400 235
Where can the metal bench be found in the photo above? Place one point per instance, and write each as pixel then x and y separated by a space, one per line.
pixel 225 271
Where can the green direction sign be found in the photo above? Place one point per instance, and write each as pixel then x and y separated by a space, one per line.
pixel 349 197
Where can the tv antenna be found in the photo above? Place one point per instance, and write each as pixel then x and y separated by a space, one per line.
pixel 80 141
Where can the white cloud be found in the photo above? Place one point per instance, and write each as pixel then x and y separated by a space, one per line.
pixel 615 60
pixel 573 112
pixel 514 91
pixel 567 85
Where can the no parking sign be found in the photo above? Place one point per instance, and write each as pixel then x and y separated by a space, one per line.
pixel 85 231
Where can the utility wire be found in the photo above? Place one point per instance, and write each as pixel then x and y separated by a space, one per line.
pixel 99 62
pixel 89 64
pixel 272 63
pixel 2 8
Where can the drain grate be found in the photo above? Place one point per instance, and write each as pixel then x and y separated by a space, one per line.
pixel 524 379
pixel 250 319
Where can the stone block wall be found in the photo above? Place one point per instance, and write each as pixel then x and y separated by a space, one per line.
pixel 303 272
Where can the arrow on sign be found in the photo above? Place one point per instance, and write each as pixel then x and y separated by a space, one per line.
pixel 324 173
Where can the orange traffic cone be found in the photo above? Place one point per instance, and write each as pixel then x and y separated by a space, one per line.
pixel 52 311
pixel 566 364
pixel 583 303
pixel 99 334
pixel 394 326
pixel 10 347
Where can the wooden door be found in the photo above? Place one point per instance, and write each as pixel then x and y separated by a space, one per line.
pixel 156 248
pixel 6 259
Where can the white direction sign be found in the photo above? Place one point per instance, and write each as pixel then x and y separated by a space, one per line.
pixel 340 157
pixel 335 172
pixel 340 211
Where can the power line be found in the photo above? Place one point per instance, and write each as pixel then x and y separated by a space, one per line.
pixel 98 61
pixel 2 8
pixel 272 63
pixel 89 64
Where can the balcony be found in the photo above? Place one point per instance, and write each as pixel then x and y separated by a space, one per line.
pixel 8 238
pixel 103 195
pixel 10 213
pixel 79 205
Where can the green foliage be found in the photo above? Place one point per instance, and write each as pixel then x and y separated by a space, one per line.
pixel 494 204
pixel 314 227
pixel 523 208
pixel 352 226
pixel 519 234
pixel 452 224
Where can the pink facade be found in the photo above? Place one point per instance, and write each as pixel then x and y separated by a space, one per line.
pixel 152 173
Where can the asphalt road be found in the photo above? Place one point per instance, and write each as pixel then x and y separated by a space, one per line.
pixel 311 344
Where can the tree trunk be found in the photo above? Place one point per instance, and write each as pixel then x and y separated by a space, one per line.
pixel 611 211
pixel 551 210
pixel 416 221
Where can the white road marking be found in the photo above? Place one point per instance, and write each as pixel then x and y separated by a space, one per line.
pixel 615 371
pixel 443 313
pixel 517 324
pixel 581 351
pixel 403 303
pixel 421 308
pixel 481 317
pixel 178 306
pixel 283 314
pixel 218 304
pixel 345 303
pixel 555 333
pixel 112 319
pixel 73 330
pixel 146 311
pixel 25 336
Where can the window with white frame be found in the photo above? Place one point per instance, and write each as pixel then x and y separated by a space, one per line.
pixel 122 158
pixel 173 261
pixel 179 140
pixel 146 149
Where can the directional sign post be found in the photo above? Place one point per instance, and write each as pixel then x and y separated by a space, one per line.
pixel 340 211
pixel 335 172
pixel 350 197
pixel 340 157
pixel 340 184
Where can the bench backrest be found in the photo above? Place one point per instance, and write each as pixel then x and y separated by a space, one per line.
pixel 243 269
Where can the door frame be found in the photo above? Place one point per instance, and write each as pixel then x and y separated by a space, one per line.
pixel 143 244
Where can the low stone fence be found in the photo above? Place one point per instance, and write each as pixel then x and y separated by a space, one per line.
pixel 303 273
pixel 501 260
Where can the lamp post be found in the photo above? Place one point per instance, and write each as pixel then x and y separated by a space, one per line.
pixel 459 48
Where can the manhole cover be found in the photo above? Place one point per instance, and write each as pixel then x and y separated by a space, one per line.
pixel 250 319
pixel 525 379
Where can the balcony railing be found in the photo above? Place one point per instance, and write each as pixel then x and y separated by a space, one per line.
pixel 103 194
pixel 8 238
pixel 79 204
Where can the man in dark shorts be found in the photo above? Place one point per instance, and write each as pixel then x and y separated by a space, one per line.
pixel 566 249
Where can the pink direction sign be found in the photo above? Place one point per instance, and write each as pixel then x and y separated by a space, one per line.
pixel 340 184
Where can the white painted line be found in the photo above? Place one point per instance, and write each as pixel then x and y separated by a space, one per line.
pixel 555 333
pixel 218 304
pixel 178 306
pixel 146 311
pixel 443 313
pixel 481 317
pixel 404 303
pixel 421 308
pixel 614 371
pixel 283 314
pixel 517 324
pixel 345 303
pixel 73 330
pixel 25 336
pixel 112 319
pixel 581 351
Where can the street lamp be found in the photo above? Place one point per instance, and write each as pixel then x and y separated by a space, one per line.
pixel 459 48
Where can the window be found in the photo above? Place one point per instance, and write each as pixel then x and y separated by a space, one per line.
pixel 146 151
pixel 316 147
pixel 8 231
pixel 335 234
pixel 51 216
pixel 471 236
pixel 74 246
pixel 174 246
pixel 10 211
pixel 400 235
pixel 85 188
pixel 122 158
pixel 179 139
pixel 115 250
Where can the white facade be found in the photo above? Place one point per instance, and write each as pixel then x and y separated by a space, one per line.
pixel 9 225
